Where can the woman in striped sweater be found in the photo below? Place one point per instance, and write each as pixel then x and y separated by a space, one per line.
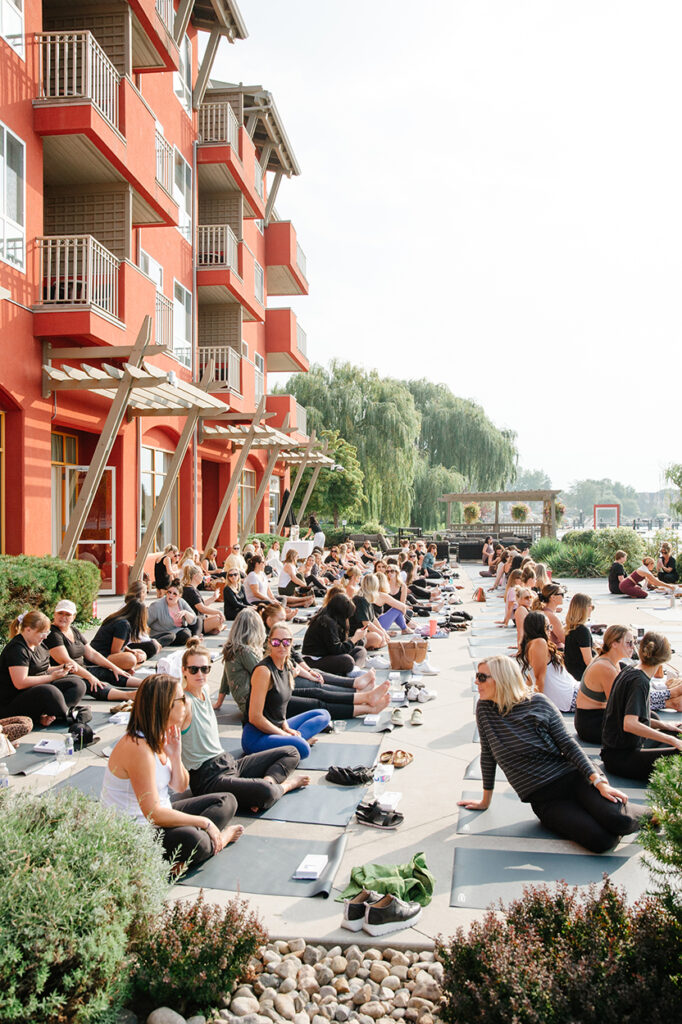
pixel 523 733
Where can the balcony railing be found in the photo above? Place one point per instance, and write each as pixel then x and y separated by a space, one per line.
pixel 164 9
pixel 301 260
pixel 227 365
pixel 258 178
pixel 301 420
pixel 301 340
pixel 258 384
pixel 164 320
pixel 182 351
pixel 218 123
pixel 74 66
pixel 164 163
pixel 77 271
pixel 217 247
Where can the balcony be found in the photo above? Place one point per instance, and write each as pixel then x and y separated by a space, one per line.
pixel 280 405
pixel 153 45
pixel 85 112
pixel 301 420
pixel 285 342
pixel 226 270
pixel 164 321
pixel 226 367
pixel 285 260
pixel 78 271
pixel 226 157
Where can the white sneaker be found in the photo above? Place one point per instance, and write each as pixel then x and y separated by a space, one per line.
pixel 413 693
pixel 424 695
pixel 378 662
pixel 427 669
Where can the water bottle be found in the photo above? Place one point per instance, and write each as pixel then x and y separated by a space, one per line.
pixel 68 745
pixel 4 776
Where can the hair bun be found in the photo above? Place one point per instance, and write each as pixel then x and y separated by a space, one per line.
pixel 193 641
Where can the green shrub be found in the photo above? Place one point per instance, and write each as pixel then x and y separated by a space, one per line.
pixel 578 560
pixel 195 953
pixel 562 957
pixel 266 539
pixel 652 545
pixel 663 841
pixel 29 582
pixel 371 526
pixel 77 886
pixel 609 540
pixel 544 549
pixel 579 537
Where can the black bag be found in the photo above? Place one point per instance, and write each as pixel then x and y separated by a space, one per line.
pixel 78 715
pixel 83 736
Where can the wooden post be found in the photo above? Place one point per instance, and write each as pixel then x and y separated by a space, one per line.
pixel 105 445
pixel 552 517
pixel 294 488
pixel 497 518
pixel 260 493
pixel 313 480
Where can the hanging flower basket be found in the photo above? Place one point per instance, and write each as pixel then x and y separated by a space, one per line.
pixel 520 513
pixel 471 513
pixel 559 511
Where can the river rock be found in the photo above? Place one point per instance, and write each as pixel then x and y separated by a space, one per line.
pixel 323 974
pixel 284 1004
pixel 241 1006
pixel 363 995
pixel 417 1003
pixel 353 953
pixel 399 958
pixel 301 1017
pixel 288 968
pixel 426 987
pixel 401 998
pixel 268 995
pixel 352 968
pixel 399 970
pixel 338 964
pixel 374 1009
pixel 164 1015
pixel 296 945
pixel 243 990
pixel 197 1019
pixel 319 1019
pixel 378 971
pixel 288 985
pixel 391 982
pixel 341 1013
pixel 307 982
pixel 436 970
pixel 126 1017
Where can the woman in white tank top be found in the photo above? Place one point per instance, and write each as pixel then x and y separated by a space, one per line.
pixel 146 763
pixel 539 658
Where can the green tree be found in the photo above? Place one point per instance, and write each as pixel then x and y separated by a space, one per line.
pixel 530 480
pixel 337 492
pixel 674 475
pixel 430 484
pixel 584 494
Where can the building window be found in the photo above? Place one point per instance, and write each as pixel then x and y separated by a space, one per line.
pixel 182 194
pixel 182 78
pixel 246 495
pixel 182 324
pixel 152 268
pixel 260 224
pixel 259 283
pixel 12 24
pixel 154 465
pixel 273 508
pixel 64 454
pixel 12 184
pixel 259 376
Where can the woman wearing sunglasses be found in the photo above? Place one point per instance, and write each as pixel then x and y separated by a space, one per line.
pixel 597 680
pixel 234 597
pixel 256 781
pixel 524 734
pixel 272 684
pixel 146 763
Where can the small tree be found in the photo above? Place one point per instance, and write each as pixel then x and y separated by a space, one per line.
pixel 338 493
pixel 674 475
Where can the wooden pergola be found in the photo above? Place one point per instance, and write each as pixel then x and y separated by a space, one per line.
pixel 547 497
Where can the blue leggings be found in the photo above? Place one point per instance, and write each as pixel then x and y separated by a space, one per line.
pixel 309 723
pixel 391 616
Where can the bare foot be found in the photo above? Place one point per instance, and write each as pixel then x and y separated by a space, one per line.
pixel 46 720
pixel 377 700
pixel 312 741
pixel 231 834
pixel 366 680
pixel 295 782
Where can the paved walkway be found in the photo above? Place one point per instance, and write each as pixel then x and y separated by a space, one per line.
pixel 443 748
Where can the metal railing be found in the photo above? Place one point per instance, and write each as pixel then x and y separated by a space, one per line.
pixel 218 123
pixel 301 340
pixel 182 351
pixel 258 178
pixel 227 365
pixel 74 66
pixel 217 246
pixel 164 9
pixel 164 163
pixel 75 270
pixel 258 384
pixel 301 260
pixel 164 320
pixel 301 420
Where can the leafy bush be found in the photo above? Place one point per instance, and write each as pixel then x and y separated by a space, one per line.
pixel 195 953
pixel 371 526
pixel 663 841
pixel 652 545
pixel 579 537
pixel 266 539
pixel 608 541
pixel 77 885
pixel 545 549
pixel 30 582
pixel 559 957
pixel 585 553
pixel 579 560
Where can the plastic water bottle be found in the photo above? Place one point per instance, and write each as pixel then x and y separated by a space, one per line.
pixel 68 745
pixel 4 776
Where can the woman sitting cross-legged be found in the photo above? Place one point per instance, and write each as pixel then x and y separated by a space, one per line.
pixel 146 762
pixel 578 645
pixel 597 680
pixel 365 616
pixel 211 620
pixel 272 684
pixel 257 781
pixel 328 644
pixel 68 646
pixel 293 586
pixel 541 661
pixel 627 718
pixel 171 620
pixel 122 637
pixel 666 566
pixel 234 598
pixel 29 685
pixel 524 734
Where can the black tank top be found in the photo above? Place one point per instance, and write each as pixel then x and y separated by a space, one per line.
pixel 161 575
pixel 278 696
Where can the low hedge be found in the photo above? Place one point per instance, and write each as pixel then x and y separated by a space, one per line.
pixel 585 553
pixel 28 582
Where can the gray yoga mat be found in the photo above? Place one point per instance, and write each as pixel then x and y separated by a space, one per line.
pixel 325 804
pixel 473 770
pixel 263 865
pixel 26 760
pixel 99 720
pixel 326 753
pixel 88 781
pixel 483 877
pixel 506 816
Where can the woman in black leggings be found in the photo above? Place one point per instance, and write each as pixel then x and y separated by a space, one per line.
pixel 627 719
pixel 524 733
pixel 326 644
pixel 28 684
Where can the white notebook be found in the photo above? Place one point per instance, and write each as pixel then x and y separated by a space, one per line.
pixel 312 866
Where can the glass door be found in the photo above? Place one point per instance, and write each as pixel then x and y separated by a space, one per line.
pixel 97 542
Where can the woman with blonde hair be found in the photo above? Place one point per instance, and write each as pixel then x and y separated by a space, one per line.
pixel 524 734
pixel 524 600
pixel 578 646
pixel 631 585
pixel 291 585
pixel 211 619
pixel 541 576
pixel 514 580
pixel 365 616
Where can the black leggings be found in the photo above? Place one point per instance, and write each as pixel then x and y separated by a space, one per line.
pixel 340 704
pixel 574 809
pixel 338 664
pixel 244 777
pixel 588 723
pixel 318 589
pixel 53 699
pixel 179 637
pixel 421 593
pixel 634 764
pixel 184 841
pixel 147 646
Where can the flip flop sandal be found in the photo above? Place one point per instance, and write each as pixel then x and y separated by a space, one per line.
pixel 402 758
pixel 372 815
pixel 417 717
pixel 386 757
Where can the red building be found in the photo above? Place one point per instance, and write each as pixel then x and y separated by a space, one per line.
pixel 138 246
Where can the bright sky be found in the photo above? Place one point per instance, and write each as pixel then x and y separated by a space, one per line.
pixel 491 197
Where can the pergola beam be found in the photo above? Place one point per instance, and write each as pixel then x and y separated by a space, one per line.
pixel 234 477
pixel 295 485
pixel 313 480
pixel 260 494
pixel 53 351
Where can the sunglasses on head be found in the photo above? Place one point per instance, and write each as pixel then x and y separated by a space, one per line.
pixel 193 669
pixel 283 642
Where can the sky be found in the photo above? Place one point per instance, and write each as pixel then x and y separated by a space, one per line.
pixel 491 198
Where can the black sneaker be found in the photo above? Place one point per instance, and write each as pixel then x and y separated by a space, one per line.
pixel 359 776
pixel 354 909
pixel 390 914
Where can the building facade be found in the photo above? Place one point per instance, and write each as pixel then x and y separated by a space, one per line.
pixel 139 245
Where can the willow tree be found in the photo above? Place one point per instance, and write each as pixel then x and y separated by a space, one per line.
pixel 456 433
pixel 430 484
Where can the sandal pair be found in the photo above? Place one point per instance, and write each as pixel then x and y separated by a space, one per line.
pixel 398 758
pixel 372 815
